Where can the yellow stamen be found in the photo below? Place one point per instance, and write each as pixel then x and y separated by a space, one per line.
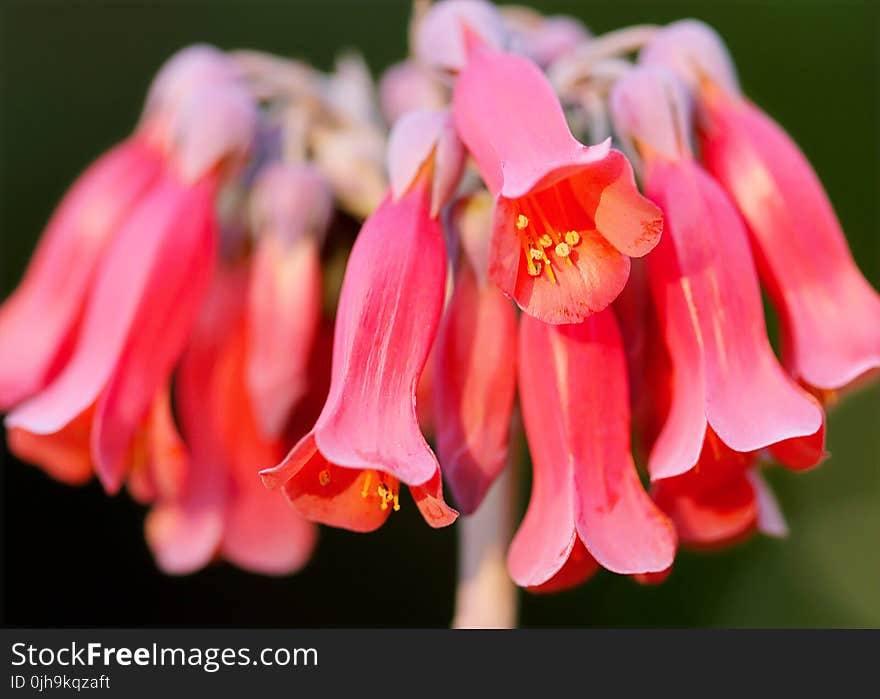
pixel 387 495
pixel 545 240
pixel 562 250
pixel 324 477
pixel 366 489
pixel 572 238
pixel 522 222
pixel 536 254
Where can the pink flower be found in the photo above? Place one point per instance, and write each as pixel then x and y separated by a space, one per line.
pixel 567 217
pixel 830 315
pixel 220 507
pixel 291 208
pixel 724 373
pixel 475 367
pixel 38 322
pixel 586 494
pixel 348 469
pixel 148 283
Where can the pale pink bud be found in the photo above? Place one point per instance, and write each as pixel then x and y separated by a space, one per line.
pixel 350 89
pixel 290 202
pixel 651 109
pixel 187 70
pixel 415 139
pixel 543 39
pixel 407 86
pixel 212 126
pixel 439 36
pixel 694 51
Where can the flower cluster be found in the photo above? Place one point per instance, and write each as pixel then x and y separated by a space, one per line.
pixel 173 331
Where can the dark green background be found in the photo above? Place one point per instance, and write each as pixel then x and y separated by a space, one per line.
pixel 73 79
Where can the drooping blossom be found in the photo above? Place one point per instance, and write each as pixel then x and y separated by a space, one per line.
pixel 219 507
pixel 724 375
pixel 829 313
pixel 567 217
pixel 38 322
pixel 149 281
pixel 475 364
pixel 348 469
pixel 291 208
pixel 588 505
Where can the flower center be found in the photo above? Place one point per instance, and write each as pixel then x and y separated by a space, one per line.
pixel 543 244
pixel 387 490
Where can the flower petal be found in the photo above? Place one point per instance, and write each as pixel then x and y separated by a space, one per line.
pixel 512 123
pixel 771 521
pixel 596 276
pixel 325 493
pixel 284 310
pixel 829 313
pixel 474 387
pixel 429 499
pixel 110 314
pixel 184 531
pixel 262 532
pixel 389 310
pixel 64 455
pixel 165 314
pixel 703 276
pixel 38 320
pixel 578 568
pixel 575 405
pixel 714 503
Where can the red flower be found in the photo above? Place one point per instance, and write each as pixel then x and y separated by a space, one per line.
pixel 830 315
pixel 587 502
pixel 567 217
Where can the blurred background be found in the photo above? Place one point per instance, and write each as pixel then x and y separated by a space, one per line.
pixel 74 74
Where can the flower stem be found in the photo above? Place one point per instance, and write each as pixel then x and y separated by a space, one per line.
pixel 485 596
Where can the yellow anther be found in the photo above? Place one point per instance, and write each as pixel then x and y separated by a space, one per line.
pixel 522 222
pixel 387 496
pixel 562 250
pixel 545 240
pixel 324 477
pixel 536 254
pixel 366 489
pixel 572 238
pixel 534 270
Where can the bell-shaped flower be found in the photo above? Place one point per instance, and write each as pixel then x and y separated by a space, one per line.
pixel 38 322
pixel 219 507
pixel 348 469
pixel 705 288
pixel 567 217
pixel 475 364
pixel 149 282
pixel 587 505
pixel 291 207
pixel 829 314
